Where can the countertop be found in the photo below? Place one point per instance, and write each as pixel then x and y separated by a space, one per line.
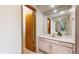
pixel 64 38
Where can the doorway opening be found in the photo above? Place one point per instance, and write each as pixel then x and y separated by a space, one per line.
pixel 29 28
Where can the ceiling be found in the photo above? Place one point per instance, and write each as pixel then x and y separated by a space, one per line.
pixel 43 8
pixel 46 8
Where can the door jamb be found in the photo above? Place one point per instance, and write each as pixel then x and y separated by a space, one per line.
pixel 32 8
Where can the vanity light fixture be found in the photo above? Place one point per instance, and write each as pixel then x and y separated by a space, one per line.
pixel 52 6
pixel 55 11
pixel 61 12
pixel 59 19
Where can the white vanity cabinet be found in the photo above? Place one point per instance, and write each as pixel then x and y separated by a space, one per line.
pixel 59 49
pixel 55 47
pixel 44 45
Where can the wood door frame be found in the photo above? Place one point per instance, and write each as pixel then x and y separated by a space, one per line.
pixel 32 8
pixel 22 29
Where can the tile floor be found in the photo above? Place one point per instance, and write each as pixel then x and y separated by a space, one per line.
pixel 26 51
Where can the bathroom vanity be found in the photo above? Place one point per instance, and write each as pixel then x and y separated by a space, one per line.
pixel 58 35
pixel 56 45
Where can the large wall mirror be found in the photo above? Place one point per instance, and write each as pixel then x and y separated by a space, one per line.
pixel 59 20
pixel 62 24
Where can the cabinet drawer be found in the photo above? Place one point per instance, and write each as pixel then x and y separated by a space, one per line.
pixel 49 40
pixel 66 44
pixel 58 49
pixel 53 41
pixel 44 46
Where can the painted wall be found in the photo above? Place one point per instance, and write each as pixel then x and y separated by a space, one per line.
pixel 10 29
pixel 73 20
pixel 52 26
pixel 45 26
pixel 77 30
pixel 39 22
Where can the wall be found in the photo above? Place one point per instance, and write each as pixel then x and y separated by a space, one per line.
pixel 10 29
pixel 52 26
pixel 39 22
pixel 45 29
pixel 72 14
pixel 77 30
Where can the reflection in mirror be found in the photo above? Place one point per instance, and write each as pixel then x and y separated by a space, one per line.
pixel 62 25
pixel 49 25
pixel 59 21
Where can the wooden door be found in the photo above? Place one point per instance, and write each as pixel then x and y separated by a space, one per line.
pixel 30 42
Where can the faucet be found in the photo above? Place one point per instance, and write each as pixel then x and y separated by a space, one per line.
pixel 59 34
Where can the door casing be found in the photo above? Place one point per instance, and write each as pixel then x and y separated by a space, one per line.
pixel 34 31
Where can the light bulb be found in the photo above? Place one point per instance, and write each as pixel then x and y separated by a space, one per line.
pixel 52 6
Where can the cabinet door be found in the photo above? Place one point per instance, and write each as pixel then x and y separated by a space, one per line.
pixel 44 46
pixel 59 49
